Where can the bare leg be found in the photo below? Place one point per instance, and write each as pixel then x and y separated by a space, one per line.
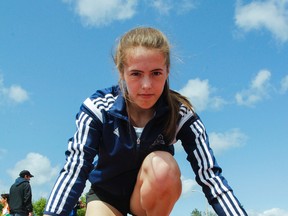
pixel 158 185
pixel 99 208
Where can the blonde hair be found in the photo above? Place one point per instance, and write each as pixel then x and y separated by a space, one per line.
pixel 142 36
pixel 151 38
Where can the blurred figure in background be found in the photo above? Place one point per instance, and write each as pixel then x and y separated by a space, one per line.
pixel 20 196
pixel 78 205
pixel 4 201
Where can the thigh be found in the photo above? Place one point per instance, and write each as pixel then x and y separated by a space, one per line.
pixel 100 208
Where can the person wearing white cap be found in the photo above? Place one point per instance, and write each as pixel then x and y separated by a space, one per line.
pixel 20 195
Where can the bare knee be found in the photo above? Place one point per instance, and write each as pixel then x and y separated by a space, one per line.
pixel 162 174
pixel 162 169
pixel 160 182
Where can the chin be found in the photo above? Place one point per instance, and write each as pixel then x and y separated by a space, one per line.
pixel 143 105
pixel 146 107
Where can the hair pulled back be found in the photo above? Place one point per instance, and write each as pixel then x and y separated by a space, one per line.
pixel 147 37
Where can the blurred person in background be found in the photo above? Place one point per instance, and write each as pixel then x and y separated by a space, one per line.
pixel 4 201
pixel 20 195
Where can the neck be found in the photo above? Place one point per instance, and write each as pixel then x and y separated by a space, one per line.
pixel 139 117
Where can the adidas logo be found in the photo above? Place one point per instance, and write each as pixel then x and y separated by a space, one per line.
pixel 116 132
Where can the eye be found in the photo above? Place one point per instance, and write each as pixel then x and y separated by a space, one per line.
pixel 156 73
pixel 135 74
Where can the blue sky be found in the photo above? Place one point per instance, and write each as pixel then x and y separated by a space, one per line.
pixel 229 57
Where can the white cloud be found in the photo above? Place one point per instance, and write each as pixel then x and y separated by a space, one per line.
pixel 200 94
pixel 188 186
pixel 14 93
pixel 162 6
pixel 185 6
pixel 17 93
pixel 258 90
pixel 284 85
pixel 167 6
pixel 38 165
pixel 178 146
pixel 270 212
pixel 270 14
pixel 222 141
pixel 98 12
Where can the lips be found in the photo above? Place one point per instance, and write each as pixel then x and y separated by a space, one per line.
pixel 145 95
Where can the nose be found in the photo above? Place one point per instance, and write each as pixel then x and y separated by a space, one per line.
pixel 146 82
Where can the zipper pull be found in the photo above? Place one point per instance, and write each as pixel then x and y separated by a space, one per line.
pixel 138 141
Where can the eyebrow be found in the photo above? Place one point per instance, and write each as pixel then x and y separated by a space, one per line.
pixel 156 69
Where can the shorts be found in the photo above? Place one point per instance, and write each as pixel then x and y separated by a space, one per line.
pixel 121 203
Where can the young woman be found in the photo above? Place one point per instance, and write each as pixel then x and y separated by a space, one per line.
pixel 4 202
pixel 129 129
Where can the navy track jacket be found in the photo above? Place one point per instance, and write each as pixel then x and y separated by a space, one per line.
pixel 105 148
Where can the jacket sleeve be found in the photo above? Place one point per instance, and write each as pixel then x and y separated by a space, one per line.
pixel 208 173
pixel 82 149
pixel 27 198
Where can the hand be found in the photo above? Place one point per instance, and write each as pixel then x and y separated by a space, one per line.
pixel 30 214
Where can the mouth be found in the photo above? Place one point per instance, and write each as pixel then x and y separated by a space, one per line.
pixel 145 95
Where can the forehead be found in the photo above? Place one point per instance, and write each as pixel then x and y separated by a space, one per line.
pixel 144 54
pixel 142 49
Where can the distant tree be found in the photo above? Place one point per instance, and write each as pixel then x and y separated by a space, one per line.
pixel 196 212
pixel 1 207
pixel 38 206
pixel 82 210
